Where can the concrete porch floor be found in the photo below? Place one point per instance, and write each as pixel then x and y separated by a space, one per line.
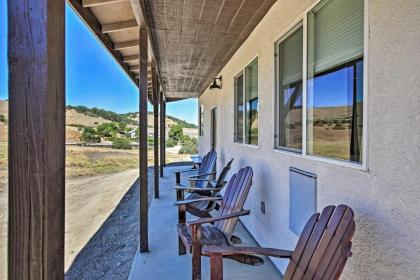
pixel 163 261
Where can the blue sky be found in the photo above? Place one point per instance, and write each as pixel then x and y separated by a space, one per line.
pixel 93 78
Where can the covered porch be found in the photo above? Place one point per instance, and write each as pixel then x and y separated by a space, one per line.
pixel 141 36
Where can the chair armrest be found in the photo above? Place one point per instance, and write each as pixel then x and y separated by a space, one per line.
pixel 230 250
pixel 181 186
pixel 190 189
pixel 183 171
pixel 219 218
pixel 201 175
pixel 189 201
pixel 201 179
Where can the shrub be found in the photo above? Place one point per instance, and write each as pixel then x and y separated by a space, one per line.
pixel 189 147
pixel 108 129
pixel 2 119
pixel 90 135
pixel 77 125
pixel 338 127
pixel 171 143
pixel 121 143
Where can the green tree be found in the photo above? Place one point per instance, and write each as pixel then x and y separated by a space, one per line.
pixel 122 127
pixel 171 143
pixel 175 132
pixel 90 135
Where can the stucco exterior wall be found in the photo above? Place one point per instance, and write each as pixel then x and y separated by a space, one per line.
pixel 386 196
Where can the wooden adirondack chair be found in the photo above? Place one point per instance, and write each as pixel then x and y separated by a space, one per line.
pixel 197 203
pixel 320 254
pixel 192 235
pixel 205 171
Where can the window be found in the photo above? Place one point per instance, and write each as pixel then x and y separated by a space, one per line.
pixel 201 120
pixel 246 105
pixel 335 80
pixel 289 91
pixel 251 100
pixel 331 83
pixel 239 108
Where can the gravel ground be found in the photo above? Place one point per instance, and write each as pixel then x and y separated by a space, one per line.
pixel 109 252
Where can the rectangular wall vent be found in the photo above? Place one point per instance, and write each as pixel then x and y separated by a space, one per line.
pixel 303 198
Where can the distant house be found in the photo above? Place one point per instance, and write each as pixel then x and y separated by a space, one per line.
pixel 132 133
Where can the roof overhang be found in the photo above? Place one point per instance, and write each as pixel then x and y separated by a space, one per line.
pixel 191 41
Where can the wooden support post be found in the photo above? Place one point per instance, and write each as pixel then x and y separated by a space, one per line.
pixel 155 89
pixel 37 139
pixel 162 134
pixel 144 205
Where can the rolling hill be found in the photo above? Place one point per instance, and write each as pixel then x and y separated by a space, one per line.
pixel 76 118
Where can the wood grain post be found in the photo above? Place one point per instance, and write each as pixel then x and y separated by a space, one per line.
pixel 162 134
pixel 144 238
pixel 155 89
pixel 164 131
pixel 37 139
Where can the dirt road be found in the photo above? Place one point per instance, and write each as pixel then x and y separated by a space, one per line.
pixel 89 202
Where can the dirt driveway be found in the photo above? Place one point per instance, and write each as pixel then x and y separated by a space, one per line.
pixel 89 202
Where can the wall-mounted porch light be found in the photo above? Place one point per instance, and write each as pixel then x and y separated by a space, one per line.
pixel 215 85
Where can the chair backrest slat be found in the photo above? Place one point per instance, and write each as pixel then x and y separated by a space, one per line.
pixel 234 199
pixel 324 245
pixel 326 238
pixel 223 174
pixel 207 165
pixel 313 241
pixel 344 233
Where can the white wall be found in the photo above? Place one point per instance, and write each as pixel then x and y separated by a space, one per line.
pixel 386 197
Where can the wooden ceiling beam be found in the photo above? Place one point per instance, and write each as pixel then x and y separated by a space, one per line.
pixel 137 67
pixel 131 58
pixel 119 26
pixel 94 25
pixel 94 3
pixel 126 45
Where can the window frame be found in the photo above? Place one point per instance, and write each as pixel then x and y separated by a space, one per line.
pixel 235 129
pixel 289 32
pixel 201 120
pixel 242 72
pixel 303 19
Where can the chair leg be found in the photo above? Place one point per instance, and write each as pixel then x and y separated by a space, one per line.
pixel 181 220
pixel 181 247
pixel 216 267
pixel 179 195
pixel 196 253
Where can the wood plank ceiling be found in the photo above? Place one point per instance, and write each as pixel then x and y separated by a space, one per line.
pixel 191 40
pixel 194 39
